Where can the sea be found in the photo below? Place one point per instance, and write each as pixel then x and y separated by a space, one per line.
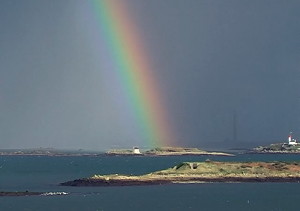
pixel 43 174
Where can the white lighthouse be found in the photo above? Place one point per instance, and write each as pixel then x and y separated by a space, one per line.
pixel 291 140
pixel 136 150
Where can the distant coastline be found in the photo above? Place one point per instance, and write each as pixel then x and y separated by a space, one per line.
pixel 276 148
pixel 48 152
pixel 165 151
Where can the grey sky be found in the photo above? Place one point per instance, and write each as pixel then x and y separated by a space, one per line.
pixel 212 58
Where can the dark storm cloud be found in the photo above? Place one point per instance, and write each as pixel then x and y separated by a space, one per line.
pixel 217 57
pixel 212 58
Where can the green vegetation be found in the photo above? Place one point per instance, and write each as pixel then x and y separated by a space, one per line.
pixel 173 149
pixel 208 171
pixel 215 168
pixel 120 152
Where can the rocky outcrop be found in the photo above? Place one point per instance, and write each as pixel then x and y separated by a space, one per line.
pixel 16 193
pixel 113 182
pixel 121 182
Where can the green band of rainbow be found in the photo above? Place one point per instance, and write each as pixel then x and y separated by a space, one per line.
pixel 133 68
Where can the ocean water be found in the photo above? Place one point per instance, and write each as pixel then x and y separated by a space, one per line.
pixel 43 174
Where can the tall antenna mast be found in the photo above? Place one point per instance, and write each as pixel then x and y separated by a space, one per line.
pixel 298 132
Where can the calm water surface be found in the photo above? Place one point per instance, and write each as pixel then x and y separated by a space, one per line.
pixel 45 173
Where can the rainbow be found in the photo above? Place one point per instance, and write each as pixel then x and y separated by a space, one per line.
pixel 132 66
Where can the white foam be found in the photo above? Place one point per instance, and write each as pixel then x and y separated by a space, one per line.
pixel 54 193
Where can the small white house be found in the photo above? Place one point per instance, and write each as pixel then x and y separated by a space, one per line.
pixel 136 150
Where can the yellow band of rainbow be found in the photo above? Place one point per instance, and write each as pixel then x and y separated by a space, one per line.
pixel 133 68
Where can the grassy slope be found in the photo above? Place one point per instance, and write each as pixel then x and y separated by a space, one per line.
pixel 210 169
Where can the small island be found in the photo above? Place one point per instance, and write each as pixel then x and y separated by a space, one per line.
pixel 164 151
pixel 20 193
pixel 200 172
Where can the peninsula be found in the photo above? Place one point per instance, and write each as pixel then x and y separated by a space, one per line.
pixel 165 151
pixel 292 146
pixel 199 172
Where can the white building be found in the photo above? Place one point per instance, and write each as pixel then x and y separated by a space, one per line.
pixel 136 150
pixel 291 140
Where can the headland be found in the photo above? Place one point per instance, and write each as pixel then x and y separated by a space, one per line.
pixel 290 147
pixel 277 148
pixel 200 172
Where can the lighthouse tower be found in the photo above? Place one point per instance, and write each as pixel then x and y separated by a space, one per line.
pixel 136 150
pixel 291 140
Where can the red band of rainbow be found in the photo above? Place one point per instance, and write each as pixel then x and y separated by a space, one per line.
pixel 133 68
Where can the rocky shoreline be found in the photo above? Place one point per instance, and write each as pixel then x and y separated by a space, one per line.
pixel 169 154
pixel 28 193
pixel 113 182
pixel 120 182
pixel 276 148
pixel 16 193
pixel 271 152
